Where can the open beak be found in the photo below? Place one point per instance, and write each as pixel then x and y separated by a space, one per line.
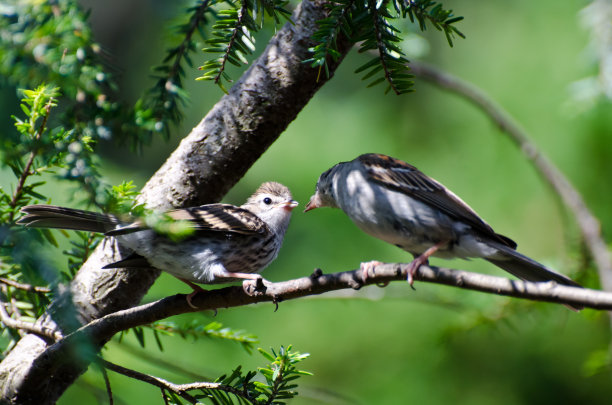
pixel 314 202
pixel 289 205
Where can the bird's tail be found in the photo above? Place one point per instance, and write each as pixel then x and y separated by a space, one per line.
pixel 51 216
pixel 528 269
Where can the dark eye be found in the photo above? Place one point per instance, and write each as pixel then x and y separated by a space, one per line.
pixel 267 201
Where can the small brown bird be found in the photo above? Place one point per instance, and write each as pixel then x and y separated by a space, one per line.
pixel 393 201
pixel 229 242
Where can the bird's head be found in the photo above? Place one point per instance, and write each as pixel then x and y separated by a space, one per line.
pixel 273 203
pixel 324 192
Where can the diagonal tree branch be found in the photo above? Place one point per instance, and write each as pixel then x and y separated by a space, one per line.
pixel 587 222
pixel 207 163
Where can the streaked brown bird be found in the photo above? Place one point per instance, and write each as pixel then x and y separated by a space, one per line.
pixel 228 242
pixel 393 201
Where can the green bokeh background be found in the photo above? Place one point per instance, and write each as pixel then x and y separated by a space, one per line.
pixel 435 345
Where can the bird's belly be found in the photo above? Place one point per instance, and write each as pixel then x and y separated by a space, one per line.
pixel 404 222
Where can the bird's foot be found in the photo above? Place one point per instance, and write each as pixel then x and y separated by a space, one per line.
pixel 421 260
pixel 252 285
pixel 368 269
pixel 413 267
pixel 196 289
pixel 190 296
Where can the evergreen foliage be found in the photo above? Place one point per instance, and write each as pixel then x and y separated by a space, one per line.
pixel 32 152
pixel 241 387
pixel 51 42
pixel 232 35
pixel 372 25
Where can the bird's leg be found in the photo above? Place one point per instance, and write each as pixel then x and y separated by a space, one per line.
pixel 196 289
pixel 243 276
pixel 423 258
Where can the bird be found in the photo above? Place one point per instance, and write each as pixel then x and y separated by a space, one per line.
pixel 392 200
pixel 228 242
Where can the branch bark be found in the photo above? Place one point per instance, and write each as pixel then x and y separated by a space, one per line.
pixel 207 163
pixel 319 283
pixel 99 331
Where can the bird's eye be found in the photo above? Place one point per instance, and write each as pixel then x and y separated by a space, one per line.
pixel 267 201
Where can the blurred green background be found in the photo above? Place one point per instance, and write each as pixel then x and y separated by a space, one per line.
pixel 435 345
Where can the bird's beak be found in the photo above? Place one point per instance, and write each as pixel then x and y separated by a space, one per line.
pixel 315 202
pixel 289 205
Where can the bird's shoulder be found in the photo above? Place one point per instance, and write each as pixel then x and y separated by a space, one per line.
pixel 395 173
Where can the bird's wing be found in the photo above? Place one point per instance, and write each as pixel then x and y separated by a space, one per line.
pixel 208 218
pixel 400 176
pixel 221 218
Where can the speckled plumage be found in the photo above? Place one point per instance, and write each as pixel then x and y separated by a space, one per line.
pixel 229 242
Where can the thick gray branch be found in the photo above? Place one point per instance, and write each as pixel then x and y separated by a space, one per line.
pixel 207 163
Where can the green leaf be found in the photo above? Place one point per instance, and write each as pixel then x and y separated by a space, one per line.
pixel 267 355
pixel 371 63
pixel 48 235
pixel 139 332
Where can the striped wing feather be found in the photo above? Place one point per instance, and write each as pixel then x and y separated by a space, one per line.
pixel 401 176
pixel 221 218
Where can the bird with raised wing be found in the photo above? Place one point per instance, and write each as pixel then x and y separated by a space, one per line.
pixel 227 243
pixel 394 201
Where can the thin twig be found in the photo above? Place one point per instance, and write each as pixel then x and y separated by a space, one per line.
pixel 109 391
pixel 38 330
pixel 25 287
pixel 14 313
pixel 169 364
pixel 164 396
pixel 22 180
pixel 587 222
pixel 179 389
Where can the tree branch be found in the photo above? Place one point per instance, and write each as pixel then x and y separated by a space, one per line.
pixel 179 389
pixel 589 225
pixel 207 163
pixel 107 384
pixel 101 330
pixel 84 341
pixel 37 329
pixel 25 287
